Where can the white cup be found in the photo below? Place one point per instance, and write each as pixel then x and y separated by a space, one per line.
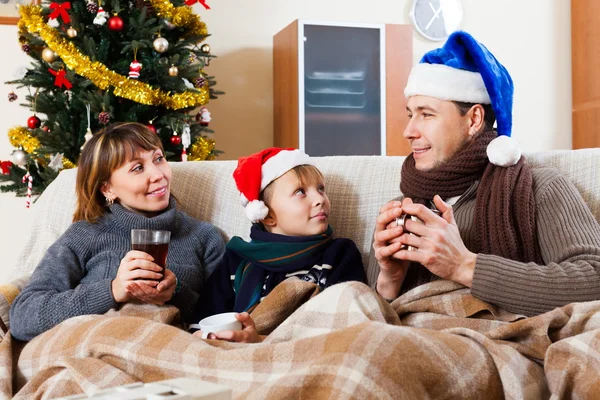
pixel 217 323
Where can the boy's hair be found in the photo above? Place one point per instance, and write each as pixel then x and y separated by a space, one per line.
pixel 106 151
pixel 306 174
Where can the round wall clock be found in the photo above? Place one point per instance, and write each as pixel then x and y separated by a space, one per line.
pixel 436 19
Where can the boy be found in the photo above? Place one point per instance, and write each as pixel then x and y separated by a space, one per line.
pixel 284 197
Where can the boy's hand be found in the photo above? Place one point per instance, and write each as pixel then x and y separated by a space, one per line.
pixel 248 334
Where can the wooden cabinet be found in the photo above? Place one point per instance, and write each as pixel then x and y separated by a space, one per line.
pixel 339 88
pixel 585 58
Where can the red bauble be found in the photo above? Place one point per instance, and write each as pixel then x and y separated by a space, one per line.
pixel 115 23
pixel 151 127
pixel 33 122
pixel 176 140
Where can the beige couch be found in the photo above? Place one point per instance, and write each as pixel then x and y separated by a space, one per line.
pixel 357 186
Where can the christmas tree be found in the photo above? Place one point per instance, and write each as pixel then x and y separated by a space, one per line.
pixel 96 63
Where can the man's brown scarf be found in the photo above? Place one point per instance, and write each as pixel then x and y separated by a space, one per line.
pixel 504 209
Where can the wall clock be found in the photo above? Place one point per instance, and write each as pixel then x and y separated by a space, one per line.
pixel 436 19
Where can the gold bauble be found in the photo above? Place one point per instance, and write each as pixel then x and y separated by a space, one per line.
pixel 205 48
pixel 72 32
pixel 173 71
pixel 48 55
pixel 161 44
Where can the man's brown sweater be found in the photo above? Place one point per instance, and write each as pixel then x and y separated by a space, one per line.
pixel 569 239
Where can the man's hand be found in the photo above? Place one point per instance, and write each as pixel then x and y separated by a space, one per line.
pixel 439 245
pixel 248 334
pixel 387 243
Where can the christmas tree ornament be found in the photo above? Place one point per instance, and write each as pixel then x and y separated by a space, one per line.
pixel 115 23
pixel 33 122
pixel 101 17
pixel 72 32
pixel 170 26
pixel 205 48
pixel 88 133
pixel 48 55
pixel 199 81
pixel 60 10
pixel 203 116
pixel 151 126
pixel 104 117
pixel 173 71
pixel 56 162
pixel 186 140
pixel 160 44
pixel 134 69
pixel 12 96
pixel 175 140
pixel 92 7
pixel 26 48
pixel 28 179
pixel 53 23
pixel 203 2
pixel 19 157
pixel 5 166
pixel 45 128
pixel 61 80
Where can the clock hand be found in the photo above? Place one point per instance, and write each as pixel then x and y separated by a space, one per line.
pixel 436 14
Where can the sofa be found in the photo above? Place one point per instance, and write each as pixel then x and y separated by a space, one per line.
pixel 357 186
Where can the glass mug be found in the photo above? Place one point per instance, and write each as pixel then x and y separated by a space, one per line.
pixel 153 242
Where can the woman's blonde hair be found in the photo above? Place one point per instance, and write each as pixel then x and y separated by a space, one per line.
pixel 105 152
pixel 306 174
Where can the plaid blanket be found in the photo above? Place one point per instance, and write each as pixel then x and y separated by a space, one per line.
pixel 436 341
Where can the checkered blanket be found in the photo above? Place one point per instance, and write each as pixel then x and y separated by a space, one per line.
pixel 436 341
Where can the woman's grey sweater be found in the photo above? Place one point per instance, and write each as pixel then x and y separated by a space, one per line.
pixel 74 277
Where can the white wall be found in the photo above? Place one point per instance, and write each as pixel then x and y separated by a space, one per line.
pixel 531 38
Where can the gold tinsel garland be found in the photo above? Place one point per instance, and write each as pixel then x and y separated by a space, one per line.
pixel 104 78
pixel 182 17
pixel 202 149
pixel 67 164
pixel 21 137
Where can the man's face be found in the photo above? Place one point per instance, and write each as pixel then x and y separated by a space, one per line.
pixel 436 131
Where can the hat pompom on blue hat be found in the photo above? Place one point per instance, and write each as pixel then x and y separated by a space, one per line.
pixel 464 70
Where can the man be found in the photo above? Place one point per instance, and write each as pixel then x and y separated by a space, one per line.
pixel 520 238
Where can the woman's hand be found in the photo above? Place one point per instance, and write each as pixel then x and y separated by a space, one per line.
pixel 136 267
pixel 160 294
pixel 248 334
pixel 440 248
pixel 387 245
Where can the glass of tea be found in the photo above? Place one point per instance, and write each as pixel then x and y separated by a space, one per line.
pixel 153 242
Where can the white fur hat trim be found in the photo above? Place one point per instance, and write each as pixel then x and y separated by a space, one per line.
pixel 256 210
pixel 503 151
pixel 281 163
pixel 446 83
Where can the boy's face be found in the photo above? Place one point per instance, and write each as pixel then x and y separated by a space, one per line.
pixel 296 209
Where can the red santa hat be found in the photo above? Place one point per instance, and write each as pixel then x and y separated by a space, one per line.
pixel 256 171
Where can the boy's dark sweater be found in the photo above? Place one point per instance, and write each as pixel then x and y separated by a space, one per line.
pixel 342 254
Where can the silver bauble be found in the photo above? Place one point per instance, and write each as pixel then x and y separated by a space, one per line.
pixel 161 44
pixel 19 158
pixel 72 32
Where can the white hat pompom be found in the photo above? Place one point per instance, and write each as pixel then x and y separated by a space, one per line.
pixel 503 151
pixel 256 210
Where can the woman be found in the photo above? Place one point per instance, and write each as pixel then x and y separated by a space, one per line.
pixel 123 183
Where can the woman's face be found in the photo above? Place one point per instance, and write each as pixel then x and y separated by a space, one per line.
pixel 142 184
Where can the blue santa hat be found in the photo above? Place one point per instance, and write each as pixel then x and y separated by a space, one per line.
pixel 464 70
